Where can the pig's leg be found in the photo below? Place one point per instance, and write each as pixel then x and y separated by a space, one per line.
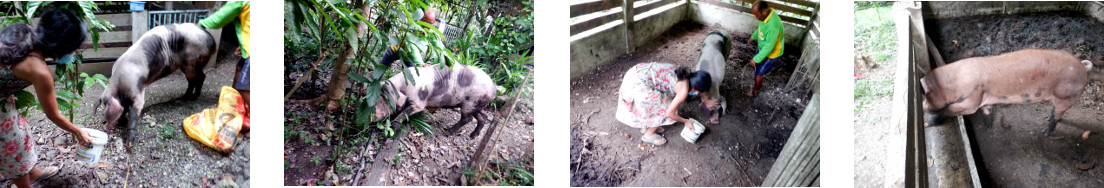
pixel 133 114
pixel 715 118
pixel 480 119
pixel 467 110
pixel 1060 107
pixel 464 119
pixel 195 78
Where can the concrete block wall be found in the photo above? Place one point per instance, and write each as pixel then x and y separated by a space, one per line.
pixel 591 52
pixel 737 22
pixel 947 9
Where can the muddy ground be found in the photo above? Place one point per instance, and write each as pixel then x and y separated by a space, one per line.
pixel 313 136
pixel 1013 151
pixel 737 152
pixel 157 160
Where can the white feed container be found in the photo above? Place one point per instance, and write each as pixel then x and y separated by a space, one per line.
pixel 692 136
pixel 91 154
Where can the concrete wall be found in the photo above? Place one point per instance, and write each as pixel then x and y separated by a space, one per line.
pixel 735 21
pixel 647 28
pixel 597 49
pixel 1094 9
pixel 591 52
pixel 946 9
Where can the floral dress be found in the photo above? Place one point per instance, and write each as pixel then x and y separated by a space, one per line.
pixel 646 90
pixel 18 156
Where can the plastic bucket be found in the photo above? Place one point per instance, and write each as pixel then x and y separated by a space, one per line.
pixel 692 136
pixel 137 6
pixel 91 154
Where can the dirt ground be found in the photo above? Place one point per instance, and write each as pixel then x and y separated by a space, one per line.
pixel 737 152
pixel 157 160
pixel 1013 151
pixel 870 130
pixel 411 159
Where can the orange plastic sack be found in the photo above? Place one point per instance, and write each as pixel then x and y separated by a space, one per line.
pixel 218 127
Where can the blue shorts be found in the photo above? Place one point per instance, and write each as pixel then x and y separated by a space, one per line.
pixel 765 67
pixel 243 79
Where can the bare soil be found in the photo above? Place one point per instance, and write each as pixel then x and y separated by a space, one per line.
pixel 1013 150
pixel 157 160
pixel 737 152
pixel 410 158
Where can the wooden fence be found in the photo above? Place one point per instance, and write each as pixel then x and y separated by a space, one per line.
pixel 601 12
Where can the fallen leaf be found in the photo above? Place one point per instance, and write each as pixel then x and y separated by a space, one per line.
pixel 1086 166
pixel 1085 136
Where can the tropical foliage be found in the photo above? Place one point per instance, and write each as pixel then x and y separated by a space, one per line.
pixel 71 81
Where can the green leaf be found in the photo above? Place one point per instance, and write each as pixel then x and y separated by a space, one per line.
pixel 357 77
pixel 63 105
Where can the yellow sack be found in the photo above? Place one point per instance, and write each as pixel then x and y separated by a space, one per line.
pixel 218 127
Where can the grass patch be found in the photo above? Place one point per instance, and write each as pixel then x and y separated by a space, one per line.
pixel 866 90
pixel 875 33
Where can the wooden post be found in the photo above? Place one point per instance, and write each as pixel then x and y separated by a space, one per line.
pixel 627 7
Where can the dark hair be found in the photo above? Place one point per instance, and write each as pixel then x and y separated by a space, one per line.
pixel 760 6
pixel 15 43
pixel 58 33
pixel 682 73
pixel 699 80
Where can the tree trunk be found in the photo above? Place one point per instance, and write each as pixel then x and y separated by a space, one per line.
pixel 340 78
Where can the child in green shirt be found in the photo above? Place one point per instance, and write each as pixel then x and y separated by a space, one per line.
pixel 771 40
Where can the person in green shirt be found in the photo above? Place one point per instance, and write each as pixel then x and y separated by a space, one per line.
pixel 236 12
pixel 771 40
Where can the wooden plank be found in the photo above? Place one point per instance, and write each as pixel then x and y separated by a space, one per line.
pixel 103 45
pixel 592 7
pixel 803 3
pixel 727 5
pixel 784 8
pixel 592 23
pixel 798 21
pixel 801 23
pixel 801 153
pixel 651 6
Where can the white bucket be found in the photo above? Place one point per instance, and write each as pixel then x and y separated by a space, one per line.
pixel 91 154
pixel 692 136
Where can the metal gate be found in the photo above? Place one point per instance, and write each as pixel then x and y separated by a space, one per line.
pixel 158 18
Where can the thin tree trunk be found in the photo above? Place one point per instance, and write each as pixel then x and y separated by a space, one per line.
pixel 340 78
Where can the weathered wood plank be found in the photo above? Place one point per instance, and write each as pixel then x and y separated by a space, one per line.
pixel 798 21
pixel 784 8
pixel 592 23
pixel 799 162
pixel 592 7
pixel 653 5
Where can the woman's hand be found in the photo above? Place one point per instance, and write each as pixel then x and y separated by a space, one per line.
pixel 749 40
pixel 751 62
pixel 82 137
pixel 689 123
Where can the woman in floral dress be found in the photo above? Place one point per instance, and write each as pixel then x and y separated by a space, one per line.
pixel 22 63
pixel 651 94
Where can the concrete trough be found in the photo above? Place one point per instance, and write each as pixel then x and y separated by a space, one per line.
pixel 970 152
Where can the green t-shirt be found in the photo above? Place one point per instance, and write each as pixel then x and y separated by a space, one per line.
pixel 770 36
